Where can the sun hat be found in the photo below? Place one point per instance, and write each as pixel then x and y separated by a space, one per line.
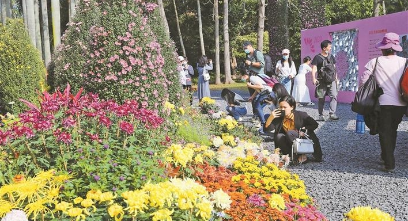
pixel 390 40
pixel 285 51
pixel 180 58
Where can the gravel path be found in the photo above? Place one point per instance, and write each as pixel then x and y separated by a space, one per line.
pixel 350 173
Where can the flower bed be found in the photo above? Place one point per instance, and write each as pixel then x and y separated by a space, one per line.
pixel 77 157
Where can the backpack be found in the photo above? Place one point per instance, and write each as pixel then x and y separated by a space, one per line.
pixel 404 83
pixel 270 81
pixel 268 64
pixel 327 74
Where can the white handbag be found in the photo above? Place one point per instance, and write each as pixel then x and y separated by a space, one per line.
pixel 206 76
pixel 302 146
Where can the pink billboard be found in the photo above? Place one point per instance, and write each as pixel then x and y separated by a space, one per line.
pixel 353 45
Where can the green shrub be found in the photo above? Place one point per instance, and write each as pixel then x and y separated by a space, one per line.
pixel 23 72
pixel 118 50
pixel 102 144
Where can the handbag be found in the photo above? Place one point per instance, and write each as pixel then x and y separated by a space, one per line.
pixel 367 95
pixel 302 145
pixel 206 75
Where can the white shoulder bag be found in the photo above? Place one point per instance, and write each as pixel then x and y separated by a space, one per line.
pixel 206 75
pixel 302 146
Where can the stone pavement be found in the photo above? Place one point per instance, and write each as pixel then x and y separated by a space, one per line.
pixel 350 173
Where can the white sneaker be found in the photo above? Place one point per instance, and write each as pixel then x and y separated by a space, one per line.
pixel 239 119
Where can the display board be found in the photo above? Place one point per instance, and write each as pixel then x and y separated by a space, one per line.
pixel 353 45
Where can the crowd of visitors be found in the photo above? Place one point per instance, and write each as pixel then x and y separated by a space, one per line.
pixel 290 90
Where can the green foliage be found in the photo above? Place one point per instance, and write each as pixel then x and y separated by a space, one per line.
pixel 118 50
pixel 237 44
pixel 340 11
pixel 23 72
pixel 103 145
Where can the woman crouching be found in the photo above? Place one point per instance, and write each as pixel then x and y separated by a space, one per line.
pixel 289 124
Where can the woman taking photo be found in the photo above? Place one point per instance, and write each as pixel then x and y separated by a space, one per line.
pixel 289 124
pixel 203 87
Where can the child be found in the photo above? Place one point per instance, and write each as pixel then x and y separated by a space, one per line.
pixel 300 89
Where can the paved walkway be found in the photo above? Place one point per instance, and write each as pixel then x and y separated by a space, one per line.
pixel 350 174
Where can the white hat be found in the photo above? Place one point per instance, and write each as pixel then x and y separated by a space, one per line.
pixel 180 58
pixel 285 51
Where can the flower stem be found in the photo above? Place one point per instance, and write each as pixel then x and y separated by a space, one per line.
pixel 32 155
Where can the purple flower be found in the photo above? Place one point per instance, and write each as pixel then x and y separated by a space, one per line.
pixel 150 152
pixel 121 178
pixel 96 177
pixel 114 189
pixel 106 146
pixel 256 200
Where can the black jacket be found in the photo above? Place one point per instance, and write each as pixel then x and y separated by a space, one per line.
pixel 302 119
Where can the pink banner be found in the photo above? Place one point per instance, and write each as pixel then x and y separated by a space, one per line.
pixel 353 46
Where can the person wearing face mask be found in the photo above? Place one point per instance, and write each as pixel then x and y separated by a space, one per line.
pixel 189 72
pixel 254 64
pixel 286 70
pixel 323 89
pixel 289 124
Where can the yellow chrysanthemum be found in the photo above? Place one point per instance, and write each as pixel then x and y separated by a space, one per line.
pixel 367 214
pixel 116 211
pixel 162 214
pixel 36 208
pixel 78 200
pixel 106 197
pixel 136 201
pixel 94 194
pixel 5 207
pixel 276 201
pixel 204 209
pixel 63 206
pixel 169 105
pixel 77 213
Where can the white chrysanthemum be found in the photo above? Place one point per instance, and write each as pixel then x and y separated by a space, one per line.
pixel 217 141
pixel 15 215
pixel 221 199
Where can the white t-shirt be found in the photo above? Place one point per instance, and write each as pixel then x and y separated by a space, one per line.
pixel 388 74
pixel 255 80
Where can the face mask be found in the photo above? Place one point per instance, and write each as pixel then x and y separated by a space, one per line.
pixel 286 57
pixel 327 51
pixel 247 51
pixel 243 80
pixel 184 62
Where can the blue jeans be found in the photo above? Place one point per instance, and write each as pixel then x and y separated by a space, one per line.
pixel 236 112
pixel 259 107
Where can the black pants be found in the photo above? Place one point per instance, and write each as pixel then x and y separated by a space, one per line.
pixel 285 140
pixel 389 119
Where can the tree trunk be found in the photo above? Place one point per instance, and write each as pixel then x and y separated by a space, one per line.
pixel 383 5
pixel 217 43
pixel 200 28
pixel 46 34
pixel 3 12
pixel 178 29
pixel 37 27
pixel 286 23
pixel 261 24
pixel 163 16
pixel 376 7
pixel 71 9
pixel 227 57
pixel 56 22
pixel 24 6
pixel 31 21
